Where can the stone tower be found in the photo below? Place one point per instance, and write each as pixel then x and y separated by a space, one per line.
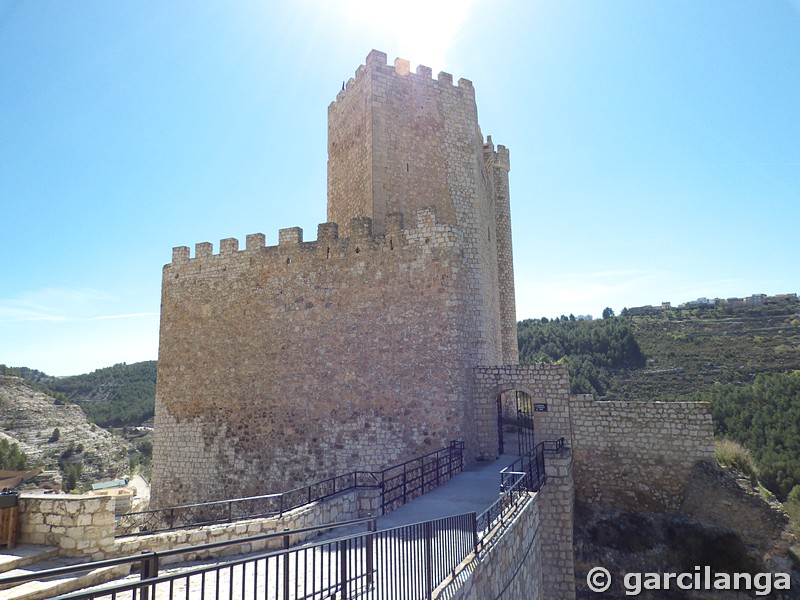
pixel 400 141
pixel 281 365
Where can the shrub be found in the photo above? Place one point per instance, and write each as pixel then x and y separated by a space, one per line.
pixel 792 507
pixel 732 454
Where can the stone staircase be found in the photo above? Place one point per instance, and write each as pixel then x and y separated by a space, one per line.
pixel 29 559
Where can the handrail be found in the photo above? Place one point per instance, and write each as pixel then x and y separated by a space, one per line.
pixel 475 535
pixel 148 556
pixel 225 511
pixel 355 563
pixel 529 475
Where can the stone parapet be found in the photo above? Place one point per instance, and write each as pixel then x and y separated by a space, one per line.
pixel 508 566
pixel 84 526
pixel 638 455
pixel 77 525
pixel 346 506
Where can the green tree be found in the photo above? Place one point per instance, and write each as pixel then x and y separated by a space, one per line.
pixel 71 475
pixel 590 349
pixel 765 418
pixel 11 457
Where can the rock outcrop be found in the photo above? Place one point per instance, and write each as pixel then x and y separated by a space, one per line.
pixel 29 418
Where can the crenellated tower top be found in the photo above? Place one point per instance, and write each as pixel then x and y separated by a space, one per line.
pixel 398 140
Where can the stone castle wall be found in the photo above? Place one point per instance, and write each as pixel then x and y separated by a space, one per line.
pixel 281 365
pixel 498 165
pixel 399 141
pixel 638 455
pixel 556 504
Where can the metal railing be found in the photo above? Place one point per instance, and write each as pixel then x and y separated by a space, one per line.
pixel 404 482
pixel 148 563
pixel 398 484
pixel 503 508
pixel 524 475
pixel 403 562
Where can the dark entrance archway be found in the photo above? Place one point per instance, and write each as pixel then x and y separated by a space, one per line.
pixel 515 423
pixel 509 398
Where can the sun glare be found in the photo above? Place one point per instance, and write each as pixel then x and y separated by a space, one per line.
pixel 424 32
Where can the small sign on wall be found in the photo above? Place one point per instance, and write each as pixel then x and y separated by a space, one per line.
pixel 540 407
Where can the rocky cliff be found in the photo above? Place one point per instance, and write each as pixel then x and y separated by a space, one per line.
pixel 723 523
pixel 30 418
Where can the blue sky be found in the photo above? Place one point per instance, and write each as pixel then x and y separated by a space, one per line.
pixel 655 147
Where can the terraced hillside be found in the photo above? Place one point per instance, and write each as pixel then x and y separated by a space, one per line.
pixel 689 350
pixel 58 436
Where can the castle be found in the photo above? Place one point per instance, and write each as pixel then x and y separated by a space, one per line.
pixel 281 364
pixel 391 334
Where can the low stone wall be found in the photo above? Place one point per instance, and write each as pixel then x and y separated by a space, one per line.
pixel 346 506
pixel 556 507
pixel 83 526
pixel 638 455
pixel 509 566
pixel 77 525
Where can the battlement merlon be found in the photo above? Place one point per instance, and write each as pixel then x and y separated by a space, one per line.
pixel 376 61
pixel 360 228
pixel 499 157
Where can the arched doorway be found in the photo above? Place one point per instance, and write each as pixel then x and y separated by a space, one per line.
pixel 515 423
pixel 544 399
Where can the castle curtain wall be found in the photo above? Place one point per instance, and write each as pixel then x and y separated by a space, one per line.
pixel 282 365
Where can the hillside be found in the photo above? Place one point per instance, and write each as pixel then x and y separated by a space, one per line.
pixel 118 396
pixel 688 351
pixel 744 360
pixel 50 433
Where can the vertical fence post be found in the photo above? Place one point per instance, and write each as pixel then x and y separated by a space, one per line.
pixel 405 481
pixel 428 528
pixel 450 459
pixel 149 570
pixel 343 587
pixel 383 492
pixel 285 566
pixel 474 518
pixel 369 542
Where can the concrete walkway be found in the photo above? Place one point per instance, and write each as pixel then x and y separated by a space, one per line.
pixel 473 490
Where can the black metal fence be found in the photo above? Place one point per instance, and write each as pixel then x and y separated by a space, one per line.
pixel 407 562
pixel 404 482
pixel 398 484
pixel 402 562
pixel 526 474
pixel 148 563
pixel 503 509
